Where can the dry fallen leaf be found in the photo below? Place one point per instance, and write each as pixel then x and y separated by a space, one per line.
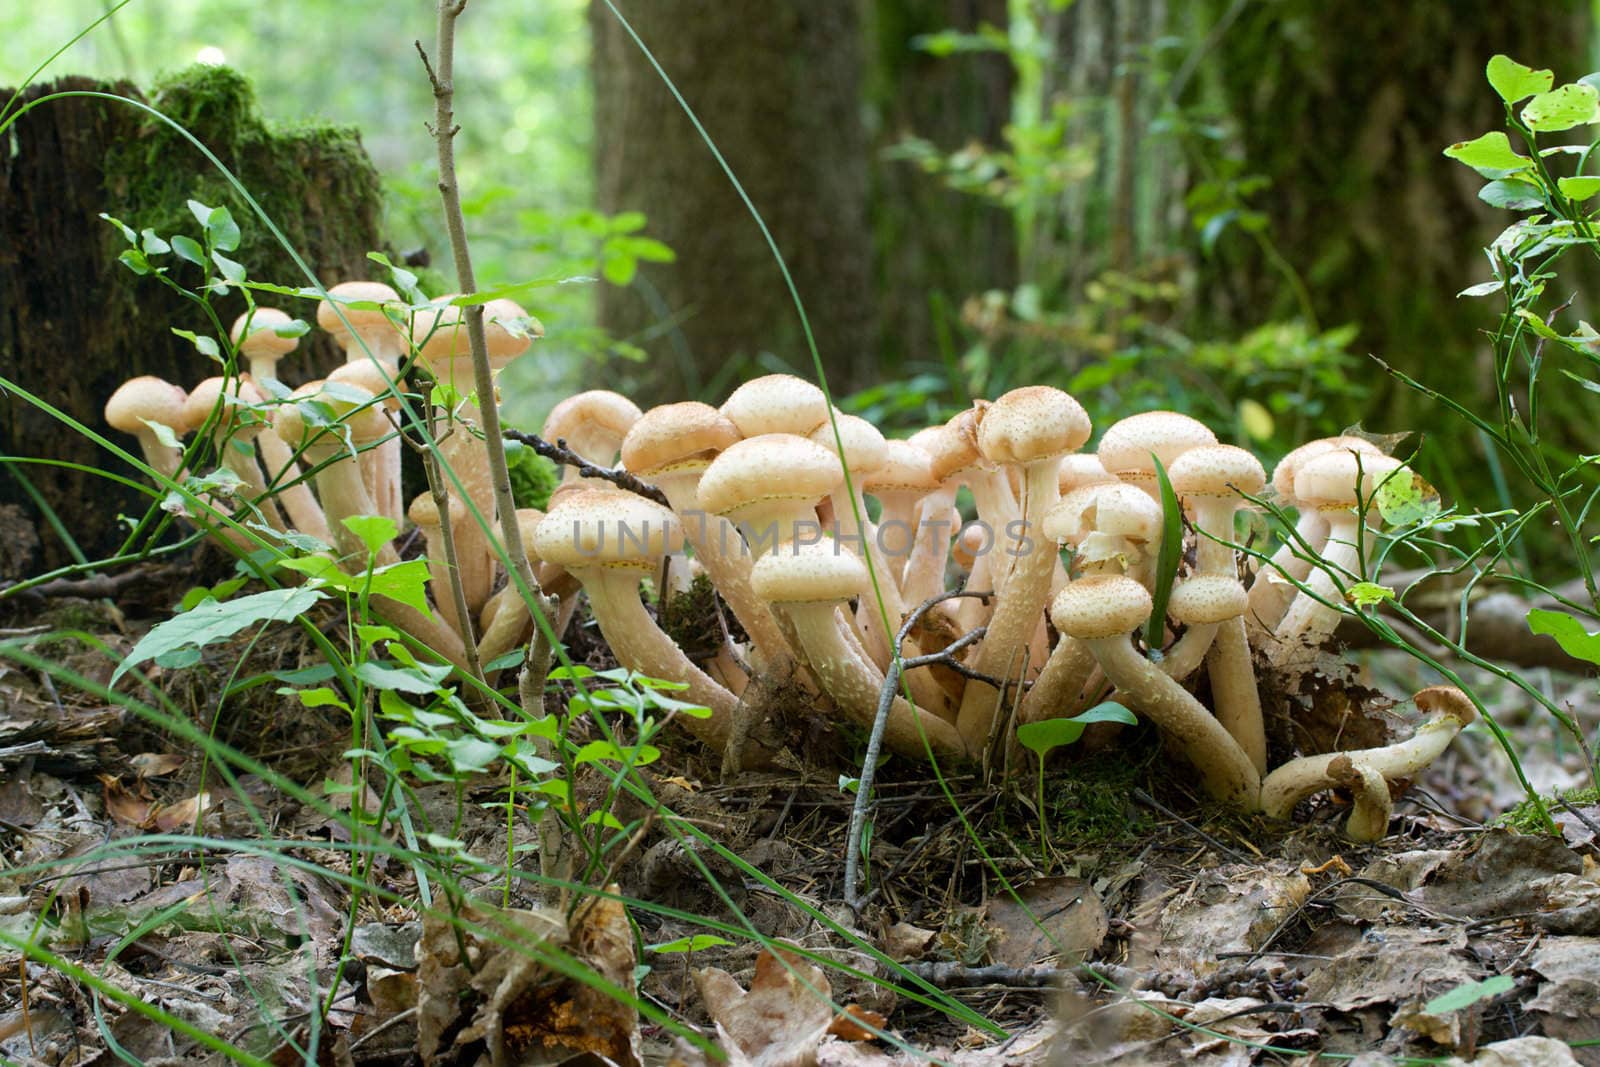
pixel 1049 918
pixel 155 764
pixel 852 1024
pixel 783 1017
pixel 902 942
pixel 124 808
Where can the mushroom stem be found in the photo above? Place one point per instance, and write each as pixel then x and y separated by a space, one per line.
pixel 1234 692
pixel 1056 692
pixel 1308 621
pixel 1273 587
pixel 937 523
pixel 295 496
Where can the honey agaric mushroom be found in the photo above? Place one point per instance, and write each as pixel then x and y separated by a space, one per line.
pixel 810 583
pixel 776 403
pixel 424 512
pixel 769 487
pixel 1335 483
pixel 1363 771
pixel 957 462
pixel 1031 428
pixel 144 400
pixel 593 424
pixel 1273 587
pixel 329 450
pixel 380 464
pixel 1102 611
pixel 1212 481
pixel 913 500
pixel 1127 445
pixel 263 346
pixel 362 333
pixel 610 541
pixel 233 435
pixel 505 619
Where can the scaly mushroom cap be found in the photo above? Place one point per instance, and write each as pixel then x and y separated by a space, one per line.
pixel 1338 480
pixel 925 437
pixel 809 573
pixel 905 468
pixel 1204 599
pixel 146 397
pixel 592 422
pixel 508 330
pixel 769 468
pixel 263 338
pixel 352 406
pixel 865 449
pixel 424 512
pixel 1446 702
pixel 366 375
pixel 1283 474
pixel 1217 470
pixel 203 398
pixel 1125 449
pixel 1112 508
pixel 776 403
pixel 1030 424
pixel 606 528
pixel 438 331
pixel 343 295
pixel 1081 469
pixel 954 447
pixel 677 437
pixel 1100 606
pixel 528 520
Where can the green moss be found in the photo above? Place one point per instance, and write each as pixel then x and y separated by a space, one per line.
pixel 314 181
pixel 1527 819
pixel 533 478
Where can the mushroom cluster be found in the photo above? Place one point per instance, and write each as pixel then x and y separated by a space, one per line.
pixel 833 548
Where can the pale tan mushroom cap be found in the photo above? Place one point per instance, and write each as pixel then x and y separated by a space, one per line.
pixel 1107 507
pixel 204 397
pixel 1217 470
pixel 1100 606
pixel 146 397
pixel 954 447
pixel 968 544
pixel 508 330
pixel 1081 469
pixel 1126 447
pixel 1283 474
pixel 905 468
pixel 263 338
pixel 774 466
pixel 1030 424
pixel 776 403
pixel 598 411
pixel 363 417
pixel 925 437
pixel 796 573
pixel 865 449
pixel 424 512
pixel 1446 701
pixel 1203 599
pixel 359 318
pixel 677 437
pixel 606 528
pixel 528 520
pixel 438 332
pixel 1338 479
pixel 365 374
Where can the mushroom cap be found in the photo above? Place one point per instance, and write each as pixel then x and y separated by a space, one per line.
pixel 905 468
pixel 204 397
pixel 423 511
pixel 1339 479
pixel 1114 508
pixel 367 375
pixel 508 330
pixel 359 318
pixel 146 397
pixel 771 467
pixel 352 406
pixel 1446 701
pixel 865 449
pixel 438 331
pixel 1203 599
pixel 598 414
pixel 1031 424
pixel 606 528
pixel 263 337
pixel 776 403
pixel 1217 470
pixel 972 540
pixel 684 436
pixel 1100 606
pixel 924 437
pixel 812 572
pixel 1283 474
pixel 1081 469
pixel 954 447
pixel 528 520
pixel 1125 449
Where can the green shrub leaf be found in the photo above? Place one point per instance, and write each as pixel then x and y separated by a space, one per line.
pixel 211 621
pixel 1569 633
pixel 1469 993
pixel 1490 155
pixel 1040 737
pixel 1566 107
pixel 1514 82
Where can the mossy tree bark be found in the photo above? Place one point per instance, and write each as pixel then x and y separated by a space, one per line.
pixel 778 87
pixel 76 323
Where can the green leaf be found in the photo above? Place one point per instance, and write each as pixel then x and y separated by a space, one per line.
pixel 1490 155
pixel 1566 107
pixel 1569 633
pixel 1168 558
pixel 1046 734
pixel 163 433
pixel 207 345
pixel 604 818
pixel 230 269
pixel 1406 499
pixel 1512 194
pixel 212 621
pixel 321 697
pixel 1538 325
pixel 375 531
pixel 394 678
pixel 697 943
pixel 406 582
pixel 135 261
pixel 1578 188
pixel 152 244
pixel 221 230
pixel 1366 594
pixel 188 248
pixel 371 635
pixel 1514 82
pixel 1469 993
pixel 127 231
pixel 471 754
pixel 595 752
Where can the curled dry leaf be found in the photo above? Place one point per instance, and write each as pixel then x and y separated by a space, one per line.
pixel 781 1019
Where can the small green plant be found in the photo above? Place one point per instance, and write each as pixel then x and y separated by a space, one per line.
pixel 1043 738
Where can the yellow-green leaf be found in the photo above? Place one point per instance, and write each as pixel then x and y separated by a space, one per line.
pixel 1514 82
pixel 1561 109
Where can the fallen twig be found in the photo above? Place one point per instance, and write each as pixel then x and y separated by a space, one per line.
pixel 560 453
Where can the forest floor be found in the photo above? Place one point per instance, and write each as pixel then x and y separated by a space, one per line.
pixel 1166 932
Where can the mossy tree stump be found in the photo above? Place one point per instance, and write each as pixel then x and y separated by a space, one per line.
pixel 75 323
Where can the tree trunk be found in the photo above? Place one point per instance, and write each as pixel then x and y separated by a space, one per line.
pixel 778 87
pixel 77 323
